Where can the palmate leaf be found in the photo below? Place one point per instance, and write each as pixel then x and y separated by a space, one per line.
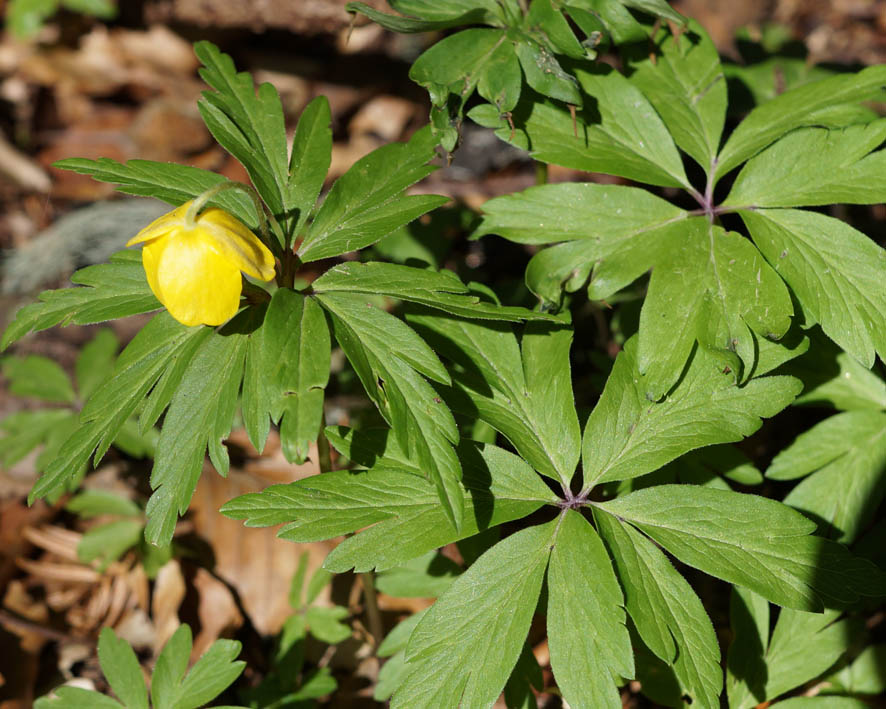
pixel 368 201
pixel 686 84
pixel 466 645
pixel 835 272
pixel 668 615
pixel 707 285
pixel 814 166
pixel 589 642
pixel 113 290
pixel 403 507
pixel 719 532
pixel 627 435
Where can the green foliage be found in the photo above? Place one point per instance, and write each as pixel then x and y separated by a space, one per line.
pixel 609 466
pixel 171 687
pixel 25 18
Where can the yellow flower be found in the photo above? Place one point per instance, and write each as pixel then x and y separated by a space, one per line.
pixel 193 265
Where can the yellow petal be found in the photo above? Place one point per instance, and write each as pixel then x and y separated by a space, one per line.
pixel 195 283
pixel 234 241
pixel 162 225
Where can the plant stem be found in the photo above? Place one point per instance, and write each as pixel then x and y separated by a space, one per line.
pixel 373 614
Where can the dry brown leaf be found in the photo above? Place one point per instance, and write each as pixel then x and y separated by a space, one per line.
pixel 253 561
pixel 169 592
pixel 217 611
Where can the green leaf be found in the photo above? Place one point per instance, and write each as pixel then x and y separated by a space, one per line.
pixel 530 403
pixel 108 542
pixel 122 670
pixel 368 201
pixel 456 63
pixel 599 139
pixel 248 124
pixel 427 576
pixel 441 290
pixel 823 702
pixel 684 81
pixel 76 698
pixel 544 74
pixel 746 665
pixel 864 674
pixel 835 378
pixel 170 668
pixel 404 509
pixel 25 17
pixel 396 23
pixel 468 642
pixel 802 647
pixel 325 624
pixel 115 290
pixel 396 640
pixel 38 377
pixel 208 678
pixel 835 272
pixel 295 351
pixel 668 615
pixel 620 23
pixel 705 466
pixel 548 395
pixel 658 8
pixel 846 455
pixel 719 532
pixel 589 643
pixel 502 80
pixel 200 414
pixel 605 216
pixel 94 362
pixel 174 184
pixel 615 234
pixel 525 676
pixel 214 672
pixel 627 436
pixel 256 401
pixel 800 106
pixel 369 447
pixel 546 23
pixel 100 8
pixel 383 351
pixel 137 369
pixel 93 503
pixel 309 161
pixel 715 288
pixel 814 166
pixel 25 430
